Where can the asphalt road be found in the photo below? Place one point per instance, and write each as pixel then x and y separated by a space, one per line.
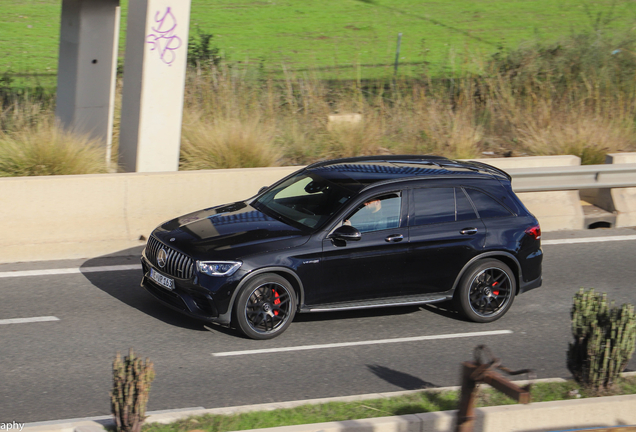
pixel 57 369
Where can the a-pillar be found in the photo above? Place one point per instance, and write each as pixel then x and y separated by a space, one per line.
pixel 87 66
pixel 154 80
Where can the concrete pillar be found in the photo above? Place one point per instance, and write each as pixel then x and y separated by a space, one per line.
pixel 154 79
pixel 87 65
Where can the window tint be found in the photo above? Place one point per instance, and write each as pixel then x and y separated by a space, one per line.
pixel 465 210
pixel 487 206
pixel 377 214
pixel 434 205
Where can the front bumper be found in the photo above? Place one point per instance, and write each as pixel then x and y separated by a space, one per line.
pixel 187 297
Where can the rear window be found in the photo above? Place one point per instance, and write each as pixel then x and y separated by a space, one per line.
pixel 487 206
pixel 439 205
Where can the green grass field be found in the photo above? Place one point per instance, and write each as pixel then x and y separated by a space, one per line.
pixel 341 38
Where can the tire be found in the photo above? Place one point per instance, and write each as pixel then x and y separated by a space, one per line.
pixel 486 291
pixel 265 306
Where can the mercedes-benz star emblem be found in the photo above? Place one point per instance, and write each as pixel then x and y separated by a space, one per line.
pixel 162 258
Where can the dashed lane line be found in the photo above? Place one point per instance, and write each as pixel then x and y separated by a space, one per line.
pixel 28 320
pixel 367 342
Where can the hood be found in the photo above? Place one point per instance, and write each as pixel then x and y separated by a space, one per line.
pixel 228 232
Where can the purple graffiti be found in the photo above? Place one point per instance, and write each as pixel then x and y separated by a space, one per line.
pixel 164 40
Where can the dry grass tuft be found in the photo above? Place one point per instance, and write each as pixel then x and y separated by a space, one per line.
pixel 227 144
pixel 585 135
pixel 348 140
pixel 45 149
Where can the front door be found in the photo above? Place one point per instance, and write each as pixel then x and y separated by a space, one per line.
pixel 371 267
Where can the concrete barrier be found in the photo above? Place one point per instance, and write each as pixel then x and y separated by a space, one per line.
pixel 558 210
pixel 85 216
pixel 621 201
pixel 535 417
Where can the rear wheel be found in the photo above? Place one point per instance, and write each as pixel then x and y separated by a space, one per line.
pixel 265 307
pixel 486 291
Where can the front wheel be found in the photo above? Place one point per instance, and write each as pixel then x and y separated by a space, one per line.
pixel 486 291
pixel 265 307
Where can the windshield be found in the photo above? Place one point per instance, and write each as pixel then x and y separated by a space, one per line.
pixel 305 199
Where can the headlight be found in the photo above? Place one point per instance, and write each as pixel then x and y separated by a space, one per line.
pixel 218 268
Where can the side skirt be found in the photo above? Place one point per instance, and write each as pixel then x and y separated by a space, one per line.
pixel 378 303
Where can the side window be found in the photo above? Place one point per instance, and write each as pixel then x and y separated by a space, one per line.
pixel 465 210
pixel 434 205
pixel 377 214
pixel 487 207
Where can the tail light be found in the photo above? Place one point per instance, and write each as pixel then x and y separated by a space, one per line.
pixel 534 232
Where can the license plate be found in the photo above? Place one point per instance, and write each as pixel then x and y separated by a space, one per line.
pixel 161 279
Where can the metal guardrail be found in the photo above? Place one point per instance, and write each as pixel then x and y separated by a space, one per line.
pixel 573 177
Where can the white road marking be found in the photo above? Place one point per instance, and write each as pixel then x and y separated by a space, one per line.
pixel 28 320
pixel 588 240
pixel 64 271
pixel 369 342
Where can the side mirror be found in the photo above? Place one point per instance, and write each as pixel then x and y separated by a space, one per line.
pixel 263 189
pixel 346 233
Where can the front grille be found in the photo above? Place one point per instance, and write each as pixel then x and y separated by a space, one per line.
pixel 177 264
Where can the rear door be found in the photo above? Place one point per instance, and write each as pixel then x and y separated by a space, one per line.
pixel 444 233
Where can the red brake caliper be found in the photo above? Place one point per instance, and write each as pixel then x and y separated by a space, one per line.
pixel 495 292
pixel 276 301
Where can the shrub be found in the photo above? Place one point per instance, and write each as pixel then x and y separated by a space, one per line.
pixel 200 53
pixel 604 338
pixel 581 134
pixel 45 149
pixel 131 385
pixel 227 144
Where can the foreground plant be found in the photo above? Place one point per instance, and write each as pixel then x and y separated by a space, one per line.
pixel 131 386
pixel 604 340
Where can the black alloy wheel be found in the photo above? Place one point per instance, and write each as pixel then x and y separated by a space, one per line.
pixel 265 307
pixel 486 291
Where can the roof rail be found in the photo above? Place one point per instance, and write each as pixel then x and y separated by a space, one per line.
pixel 489 168
pixel 386 158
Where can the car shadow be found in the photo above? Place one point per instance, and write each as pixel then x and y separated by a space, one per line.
pixel 354 314
pixel 445 309
pixel 400 379
pixel 124 285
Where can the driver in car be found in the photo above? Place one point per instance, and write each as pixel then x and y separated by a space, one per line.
pixel 369 217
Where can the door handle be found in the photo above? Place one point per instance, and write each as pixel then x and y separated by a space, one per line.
pixel 468 231
pixel 394 238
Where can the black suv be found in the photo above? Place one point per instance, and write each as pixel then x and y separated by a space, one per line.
pixel 350 234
